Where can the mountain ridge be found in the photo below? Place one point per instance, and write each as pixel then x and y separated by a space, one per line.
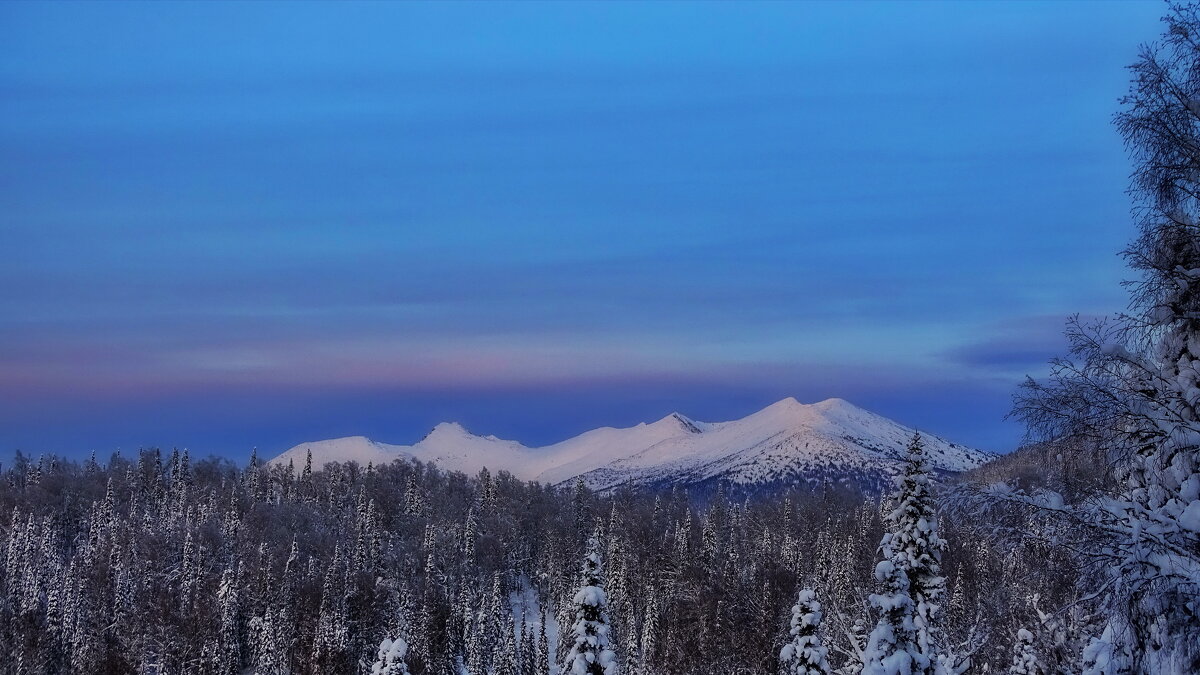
pixel 787 441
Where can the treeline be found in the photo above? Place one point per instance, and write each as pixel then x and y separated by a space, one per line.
pixel 156 564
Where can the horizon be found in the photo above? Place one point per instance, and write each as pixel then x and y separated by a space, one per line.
pixel 453 423
pixel 257 225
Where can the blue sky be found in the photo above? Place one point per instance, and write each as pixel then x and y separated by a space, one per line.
pixel 237 225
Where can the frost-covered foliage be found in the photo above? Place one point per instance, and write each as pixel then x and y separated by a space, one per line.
pixel 390 658
pixel 1132 387
pixel 591 652
pixel 1025 660
pixel 308 571
pixel 805 654
pixel 908 637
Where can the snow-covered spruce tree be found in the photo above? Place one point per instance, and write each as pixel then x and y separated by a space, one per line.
pixel 506 659
pixel 632 645
pixel 1132 384
pixel 1025 661
pixel 580 506
pixel 889 649
pixel 270 647
pixel 650 628
pixel 529 653
pixel 487 632
pixel 332 627
pixel 390 658
pixel 479 648
pixel 414 501
pixel 590 653
pixel 544 657
pixel 907 638
pixel 229 657
pixel 188 571
pixel 805 654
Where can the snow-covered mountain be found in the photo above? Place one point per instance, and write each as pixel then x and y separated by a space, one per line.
pixel 786 442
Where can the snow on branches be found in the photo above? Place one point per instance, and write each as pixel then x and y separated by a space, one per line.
pixel 907 639
pixel 591 653
pixel 805 654
pixel 390 658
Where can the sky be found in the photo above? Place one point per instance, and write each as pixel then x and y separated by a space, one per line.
pixel 226 226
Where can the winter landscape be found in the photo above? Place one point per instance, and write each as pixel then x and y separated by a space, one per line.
pixel 600 339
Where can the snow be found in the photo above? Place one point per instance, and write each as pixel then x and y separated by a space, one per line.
pixel 1190 518
pixel 526 608
pixel 600 447
pixel 784 441
pixel 350 449
pixel 390 658
pixel 805 654
pixel 591 628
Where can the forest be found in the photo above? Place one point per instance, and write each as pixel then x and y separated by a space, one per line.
pixel 161 564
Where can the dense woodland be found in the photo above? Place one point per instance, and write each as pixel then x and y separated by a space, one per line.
pixel 162 564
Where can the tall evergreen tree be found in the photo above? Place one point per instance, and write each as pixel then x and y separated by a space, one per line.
pixel 544 656
pixel 229 656
pixel 529 649
pixel 330 643
pixel 590 653
pixel 650 629
pixel 632 646
pixel 271 644
pixel 506 659
pixel 806 653
pixel 907 638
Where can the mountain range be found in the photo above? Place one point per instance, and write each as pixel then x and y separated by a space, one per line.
pixel 786 443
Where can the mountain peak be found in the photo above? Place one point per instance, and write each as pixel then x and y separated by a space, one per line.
pixel 791 409
pixel 449 429
pixel 785 406
pixel 680 421
pixel 787 409
pixel 787 402
pixel 834 402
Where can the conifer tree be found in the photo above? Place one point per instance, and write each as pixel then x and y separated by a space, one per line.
pixel 529 649
pixel 331 637
pixel 188 568
pixel 590 653
pixel 579 507
pixel 470 531
pixel 650 629
pixel 229 656
pixel 506 659
pixel 426 626
pixel 632 644
pixel 805 654
pixel 269 646
pixel 544 657
pixel 414 501
pixel 487 493
pixel 907 638
pixel 306 473
pixel 481 642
